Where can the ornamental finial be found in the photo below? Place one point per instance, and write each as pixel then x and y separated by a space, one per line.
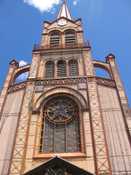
pixel 64 11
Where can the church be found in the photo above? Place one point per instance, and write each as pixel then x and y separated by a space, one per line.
pixel 58 116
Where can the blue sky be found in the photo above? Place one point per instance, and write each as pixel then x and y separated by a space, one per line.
pixel 107 25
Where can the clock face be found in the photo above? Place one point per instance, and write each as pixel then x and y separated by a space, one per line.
pixel 62 22
pixel 60 110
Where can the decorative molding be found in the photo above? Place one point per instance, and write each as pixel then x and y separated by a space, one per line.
pixel 39 84
pixel 102 163
pixel 77 96
pixel 64 81
pixel 102 81
pixel 21 134
pixel 63 155
pixel 17 87
pixel 105 82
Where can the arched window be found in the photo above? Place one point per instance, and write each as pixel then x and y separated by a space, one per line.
pixel 70 37
pixel 49 69
pixel 60 129
pixel 55 38
pixel 61 68
pixel 73 68
pixel 21 77
pixel 101 72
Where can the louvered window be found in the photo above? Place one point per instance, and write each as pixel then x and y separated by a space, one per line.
pixel 70 38
pixel 49 68
pixel 55 39
pixel 60 129
pixel 73 68
pixel 61 68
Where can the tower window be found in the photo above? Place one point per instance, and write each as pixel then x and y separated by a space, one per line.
pixel 60 129
pixel 54 38
pixel 73 68
pixel 61 68
pixel 70 37
pixel 49 69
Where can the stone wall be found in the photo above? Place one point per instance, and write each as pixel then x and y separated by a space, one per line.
pixel 117 138
pixel 8 125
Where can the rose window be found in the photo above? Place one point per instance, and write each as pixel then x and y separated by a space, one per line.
pixel 60 127
pixel 60 110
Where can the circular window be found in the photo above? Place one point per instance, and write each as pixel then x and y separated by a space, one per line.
pixel 60 109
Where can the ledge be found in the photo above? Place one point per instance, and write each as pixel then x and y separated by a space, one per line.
pixel 63 155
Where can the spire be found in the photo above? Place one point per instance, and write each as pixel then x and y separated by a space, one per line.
pixel 64 11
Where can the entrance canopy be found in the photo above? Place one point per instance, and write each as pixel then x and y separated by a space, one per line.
pixel 57 166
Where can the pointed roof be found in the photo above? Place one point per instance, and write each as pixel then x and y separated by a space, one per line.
pixel 57 163
pixel 64 11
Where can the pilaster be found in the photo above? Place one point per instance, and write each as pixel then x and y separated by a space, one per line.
pixel 102 163
pixel 111 60
pixel 87 62
pixel 12 66
pixel 35 65
pixel 121 92
pixel 17 162
pixel 20 146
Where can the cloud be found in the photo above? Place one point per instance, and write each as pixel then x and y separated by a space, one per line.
pixel 43 5
pixel 75 2
pixel 22 63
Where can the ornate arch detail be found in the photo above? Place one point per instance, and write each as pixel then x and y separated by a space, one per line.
pixel 22 69
pixel 75 95
pixel 54 29
pixel 70 29
pixel 103 66
pixel 62 30
pixel 19 71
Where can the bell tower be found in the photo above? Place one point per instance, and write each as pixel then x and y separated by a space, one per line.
pixel 59 115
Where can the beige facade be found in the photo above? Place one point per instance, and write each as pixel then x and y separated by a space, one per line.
pixel 104 115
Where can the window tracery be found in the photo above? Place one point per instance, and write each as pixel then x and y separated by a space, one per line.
pixel 55 171
pixel 60 128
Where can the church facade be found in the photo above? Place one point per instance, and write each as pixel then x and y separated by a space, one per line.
pixel 58 116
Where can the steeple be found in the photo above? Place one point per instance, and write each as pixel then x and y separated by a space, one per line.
pixel 64 11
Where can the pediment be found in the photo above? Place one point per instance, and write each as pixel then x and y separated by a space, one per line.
pixel 55 25
pixel 57 166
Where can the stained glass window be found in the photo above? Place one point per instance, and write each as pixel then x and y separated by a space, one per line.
pixel 60 129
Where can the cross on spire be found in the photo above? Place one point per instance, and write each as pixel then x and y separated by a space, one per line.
pixel 64 11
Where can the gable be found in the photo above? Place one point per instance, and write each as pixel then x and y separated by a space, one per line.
pixel 69 25
pixel 57 166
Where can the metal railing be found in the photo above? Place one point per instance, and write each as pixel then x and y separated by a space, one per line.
pixel 64 46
